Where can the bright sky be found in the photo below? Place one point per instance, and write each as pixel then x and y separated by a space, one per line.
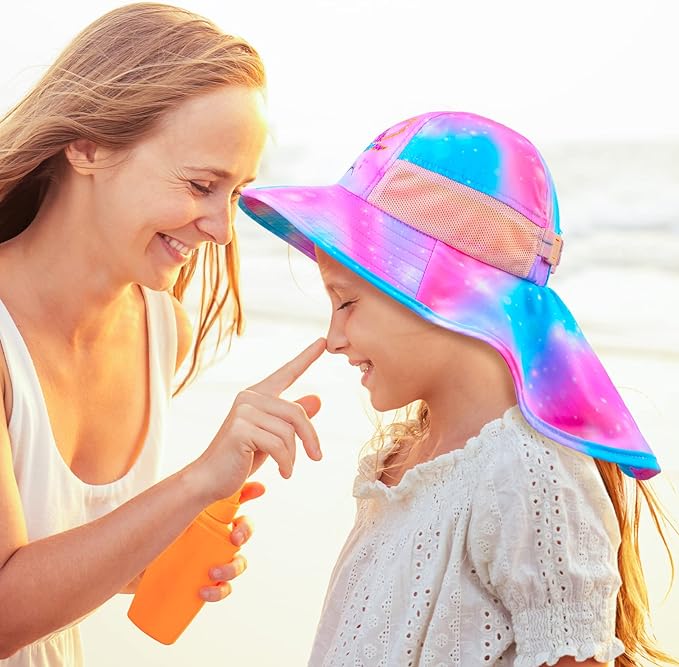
pixel 340 71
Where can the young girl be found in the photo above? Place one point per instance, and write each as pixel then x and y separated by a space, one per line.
pixel 493 528
pixel 119 174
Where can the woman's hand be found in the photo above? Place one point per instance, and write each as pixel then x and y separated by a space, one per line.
pixel 242 532
pixel 131 588
pixel 261 424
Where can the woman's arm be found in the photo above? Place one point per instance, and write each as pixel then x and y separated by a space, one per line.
pixel 49 583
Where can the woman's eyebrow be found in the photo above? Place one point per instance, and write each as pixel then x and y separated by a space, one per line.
pixel 221 173
pixel 215 170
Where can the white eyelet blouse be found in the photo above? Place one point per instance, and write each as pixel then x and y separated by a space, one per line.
pixel 500 553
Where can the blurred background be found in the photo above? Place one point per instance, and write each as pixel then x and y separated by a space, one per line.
pixel 588 82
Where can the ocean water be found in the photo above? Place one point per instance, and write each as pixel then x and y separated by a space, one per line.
pixel 619 276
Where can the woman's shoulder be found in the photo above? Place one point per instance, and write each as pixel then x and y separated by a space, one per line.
pixel 184 330
pixel 171 317
pixel 5 385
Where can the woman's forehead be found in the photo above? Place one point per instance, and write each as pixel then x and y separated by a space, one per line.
pixel 223 131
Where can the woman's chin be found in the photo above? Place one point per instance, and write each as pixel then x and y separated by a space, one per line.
pixel 160 282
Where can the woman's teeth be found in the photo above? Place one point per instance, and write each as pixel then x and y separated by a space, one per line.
pixel 365 366
pixel 177 245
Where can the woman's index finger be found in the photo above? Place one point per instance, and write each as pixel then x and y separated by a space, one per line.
pixel 280 380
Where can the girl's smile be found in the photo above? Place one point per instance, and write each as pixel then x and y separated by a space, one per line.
pixel 366 369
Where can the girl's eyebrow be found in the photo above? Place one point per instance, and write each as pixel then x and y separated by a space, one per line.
pixel 336 286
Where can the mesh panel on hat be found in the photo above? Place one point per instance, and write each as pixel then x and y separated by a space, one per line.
pixel 464 218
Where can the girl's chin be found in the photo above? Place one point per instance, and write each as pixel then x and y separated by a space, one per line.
pixel 384 403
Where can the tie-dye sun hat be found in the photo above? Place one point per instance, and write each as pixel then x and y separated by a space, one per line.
pixel 455 216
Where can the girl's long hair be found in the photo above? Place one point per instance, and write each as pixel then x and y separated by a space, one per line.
pixel 628 498
pixel 112 85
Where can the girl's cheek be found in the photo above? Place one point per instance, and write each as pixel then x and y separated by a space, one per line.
pixel 353 329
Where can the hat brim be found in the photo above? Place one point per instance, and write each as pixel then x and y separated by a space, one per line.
pixel 562 388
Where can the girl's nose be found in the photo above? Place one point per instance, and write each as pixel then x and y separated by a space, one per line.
pixel 336 340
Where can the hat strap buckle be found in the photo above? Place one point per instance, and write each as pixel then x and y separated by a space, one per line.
pixel 550 249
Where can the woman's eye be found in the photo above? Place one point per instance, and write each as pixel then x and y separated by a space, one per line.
pixel 203 189
pixel 346 304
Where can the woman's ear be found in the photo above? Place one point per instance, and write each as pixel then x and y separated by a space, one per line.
pixel 82 155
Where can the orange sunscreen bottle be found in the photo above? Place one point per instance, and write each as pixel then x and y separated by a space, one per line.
pixel 168 595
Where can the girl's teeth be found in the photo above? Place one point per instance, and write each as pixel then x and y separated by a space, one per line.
pixel 365 366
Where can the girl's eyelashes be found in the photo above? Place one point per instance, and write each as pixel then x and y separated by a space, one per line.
pixel 202 189
pixel 346 304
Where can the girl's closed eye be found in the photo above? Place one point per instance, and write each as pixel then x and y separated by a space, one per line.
pixel 346 304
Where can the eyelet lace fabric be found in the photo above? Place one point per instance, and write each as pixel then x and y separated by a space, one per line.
pixel 500 553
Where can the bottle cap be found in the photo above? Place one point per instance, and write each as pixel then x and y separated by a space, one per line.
pixel 224 510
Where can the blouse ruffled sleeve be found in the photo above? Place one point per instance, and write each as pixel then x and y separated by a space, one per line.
pixel 544 538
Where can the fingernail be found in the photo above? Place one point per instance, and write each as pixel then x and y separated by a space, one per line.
pixel 217 573
pixel 237 538
pixel 206 595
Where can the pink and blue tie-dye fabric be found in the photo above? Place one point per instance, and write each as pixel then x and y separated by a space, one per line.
pixel 562 388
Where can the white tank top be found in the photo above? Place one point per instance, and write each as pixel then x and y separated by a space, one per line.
pixel 54 499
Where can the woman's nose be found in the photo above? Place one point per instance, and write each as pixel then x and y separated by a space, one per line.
pixel 216 224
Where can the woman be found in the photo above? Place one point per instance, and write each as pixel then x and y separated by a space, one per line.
pixel 119 173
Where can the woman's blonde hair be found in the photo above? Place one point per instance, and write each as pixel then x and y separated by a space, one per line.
pixel 112 85
pixel 627 497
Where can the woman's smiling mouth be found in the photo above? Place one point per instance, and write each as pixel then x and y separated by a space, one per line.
pixel 176 246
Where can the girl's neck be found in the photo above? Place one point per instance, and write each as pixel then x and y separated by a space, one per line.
pixel 458 417
pixel 476 390
pixel 459 406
